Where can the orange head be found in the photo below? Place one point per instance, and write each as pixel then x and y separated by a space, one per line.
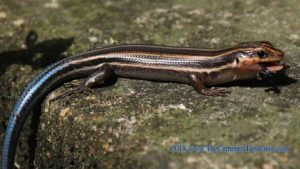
pixel 255 56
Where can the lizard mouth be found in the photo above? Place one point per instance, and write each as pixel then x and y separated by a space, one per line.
pixel 272 64
pixel 272 67
pixel 267 71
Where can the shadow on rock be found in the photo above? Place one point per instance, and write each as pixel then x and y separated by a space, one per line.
pixel 38 55
pixel 50 51
pixel 278 79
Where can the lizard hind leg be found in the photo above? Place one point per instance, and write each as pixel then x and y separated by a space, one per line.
pixel 104 76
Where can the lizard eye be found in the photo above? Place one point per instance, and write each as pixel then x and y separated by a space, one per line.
pixel 261 54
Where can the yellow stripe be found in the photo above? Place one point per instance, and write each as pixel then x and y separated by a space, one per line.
pixel 182 56
pixel 175 68
pixel 166 55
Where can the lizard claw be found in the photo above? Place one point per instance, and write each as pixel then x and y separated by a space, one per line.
pixel 215 91
pixel 74 91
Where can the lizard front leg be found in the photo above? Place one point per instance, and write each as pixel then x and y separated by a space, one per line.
pixel 196 80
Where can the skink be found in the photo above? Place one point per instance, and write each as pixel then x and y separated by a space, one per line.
pixel 196 67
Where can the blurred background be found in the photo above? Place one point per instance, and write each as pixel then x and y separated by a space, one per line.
pixel 133 123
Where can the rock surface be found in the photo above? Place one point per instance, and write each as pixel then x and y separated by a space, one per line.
pixel 134 123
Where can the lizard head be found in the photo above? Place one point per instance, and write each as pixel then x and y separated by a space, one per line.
pixel 257 56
